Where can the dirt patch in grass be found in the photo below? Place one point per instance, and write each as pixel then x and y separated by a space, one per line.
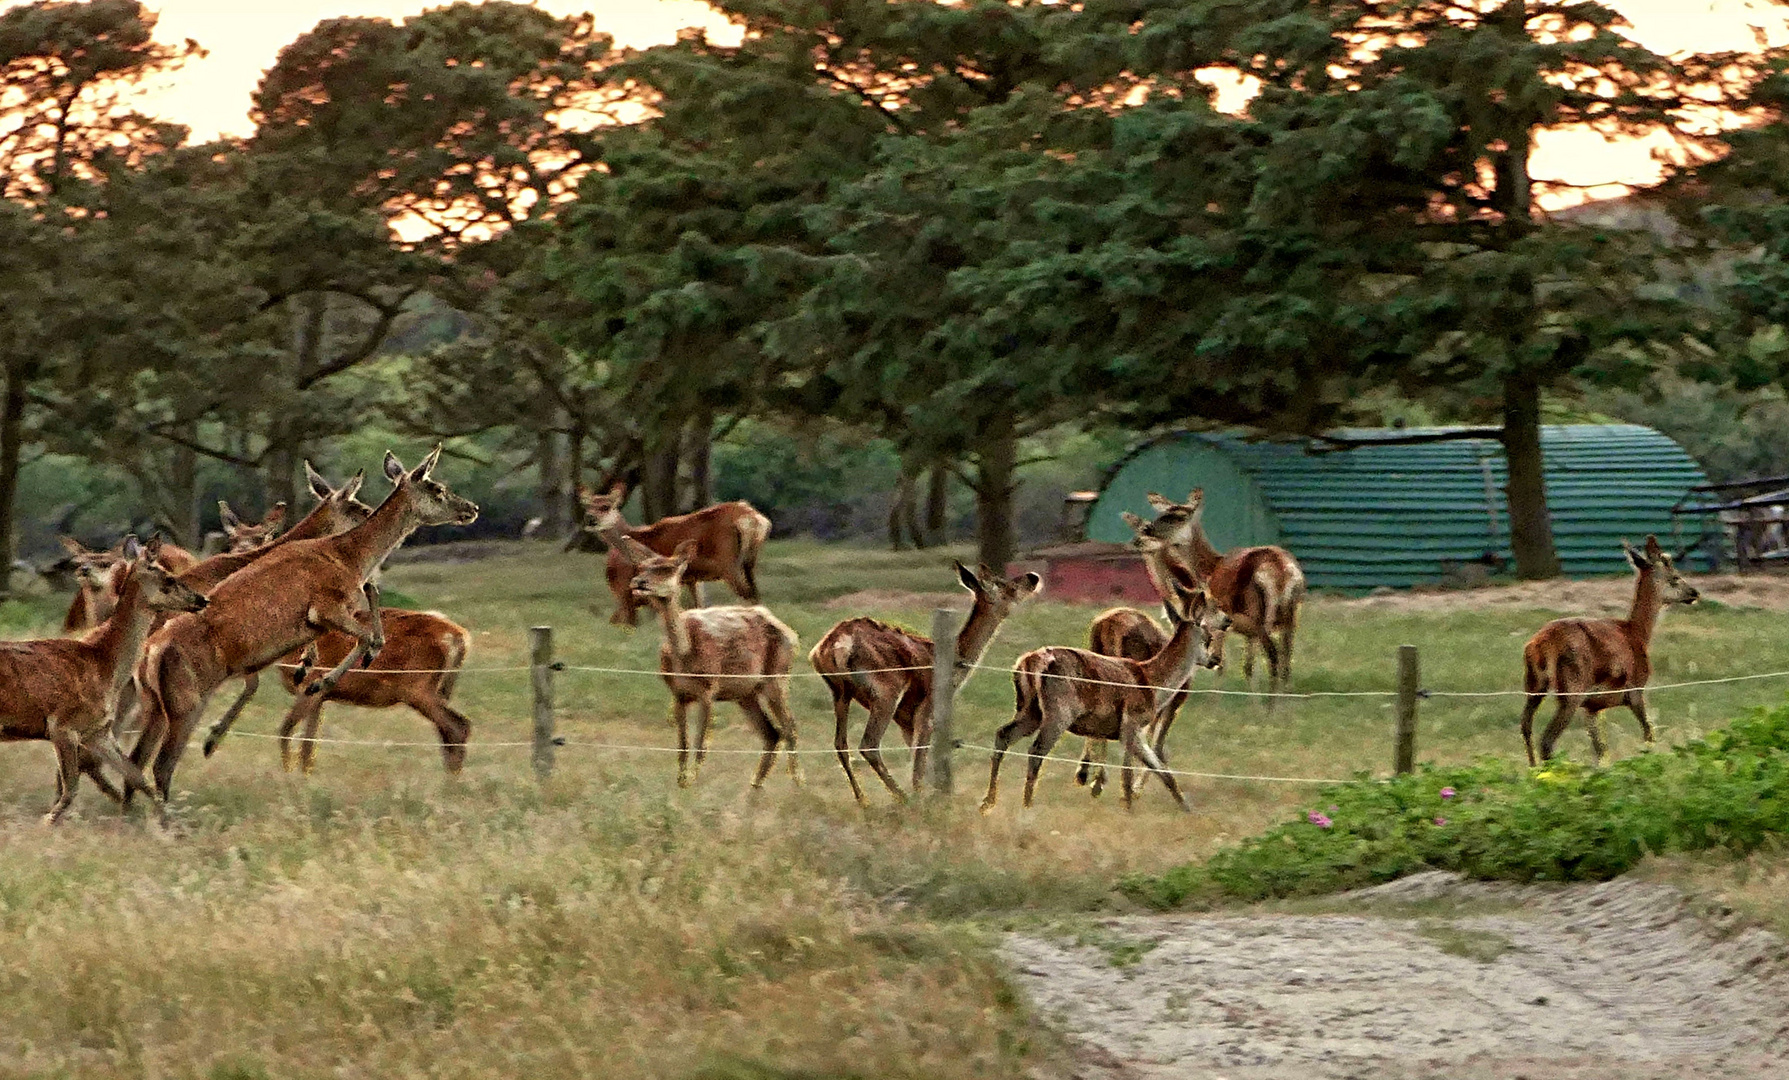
pixel 1619 980
pixel 1601 596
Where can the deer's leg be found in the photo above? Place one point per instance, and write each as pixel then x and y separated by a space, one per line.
pixel 302 705
pixel 367 630
pixel 1056 721
pixel 704 717
pixel 1568 705
pixel 1593 726
pixel 68 769
pixel 914 717
pixel 104 748
pixel 1093 765
pixel 1288 630
pixel 1026 719
pixel 307 746
pixel 841 736
pixel 776 697
pixel 90 769
pixel 1528 710
pixel 755 712
pixel 251 682
pixel 451 725
pixel 1136 746
pixel 1169 712
pixel 1635 700
pixel 871 745
pixel 680 721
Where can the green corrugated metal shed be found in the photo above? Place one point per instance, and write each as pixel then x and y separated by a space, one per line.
pixel 1393 515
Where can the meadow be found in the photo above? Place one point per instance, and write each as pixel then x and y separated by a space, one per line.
pixel 378 919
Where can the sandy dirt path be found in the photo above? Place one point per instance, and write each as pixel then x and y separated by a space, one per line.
pixel 1425 977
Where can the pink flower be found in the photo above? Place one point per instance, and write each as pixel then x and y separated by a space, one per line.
pixel 1441 821
pixel 1320 820
pixel 1447 793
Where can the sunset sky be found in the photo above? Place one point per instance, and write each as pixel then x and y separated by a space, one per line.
pixel 242 36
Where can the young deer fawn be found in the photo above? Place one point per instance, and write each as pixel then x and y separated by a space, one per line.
pixel 98 583
pixel 1072 691
pixel 243 535
pixel 1260 588
pixel 286 598
pixel 727 539
pixel 65 690
pixel 1598 664
pixel 854 659
pixel 737 654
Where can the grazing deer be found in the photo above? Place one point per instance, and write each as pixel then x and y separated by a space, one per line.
pixel 287 597
pixel 65 690
pixel 1260 588
pixel 1600 663
pixel 738 654
pixel 418 667
pixel 1061 691
pixel 856 656
pixel 727 539
pixel 247 536
pixel 98 585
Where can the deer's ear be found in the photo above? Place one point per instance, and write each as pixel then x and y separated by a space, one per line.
pixel 585 494
pixel 1029 585
pixel 1159 501
pixel 635 551
pixel 228 517
pixel 685 552
pixel 967 577
pixel 276 516
pixel 72 546
pixel 1136 523
pixel 422 471
pixel 618 491
pixel 1653 550
pixel 319 486
pixel 394 469
pixel 353 485
pixel 132 550
pixel 153 549
pixel 1634 555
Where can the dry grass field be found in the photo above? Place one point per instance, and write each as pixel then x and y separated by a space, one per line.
pixel 377 920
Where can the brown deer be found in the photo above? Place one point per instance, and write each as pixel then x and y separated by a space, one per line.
pixel 738 654
pixel 247 536
pixel 856 656
pixel 286 598
pixel 1260 588
pixel 727 539
pixel 1598 664
pixel 65 690
pixel 1062 690
pixel 418 667
pixel 98 585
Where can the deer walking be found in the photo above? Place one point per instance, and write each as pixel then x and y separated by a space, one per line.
pixel 1597 664
pixel 286 598
pixel 1260 588
pixel 737 654
pixel 727 539
pixel 1061 690
pixel 854 658
pixel 65 690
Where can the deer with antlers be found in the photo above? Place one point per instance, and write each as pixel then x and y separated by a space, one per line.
pixel 1061 690
pixel 738 654
pixel 888 671
pixel 65 690
pixel 1597 664
pixel 283 600
pixel 727 539
pixel 1259 588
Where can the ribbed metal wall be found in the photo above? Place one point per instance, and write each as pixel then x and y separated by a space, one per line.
pixel 1395 515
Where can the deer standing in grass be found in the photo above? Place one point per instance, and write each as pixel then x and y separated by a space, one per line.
pixel 857 660
pixel 286 598
pixel 65 690
pixel 1260 588
pixel 1062 691
pixel 738 654
pixel 1597 664
pixel 727 539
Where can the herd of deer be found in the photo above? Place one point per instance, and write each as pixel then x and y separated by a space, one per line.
pixel 161 631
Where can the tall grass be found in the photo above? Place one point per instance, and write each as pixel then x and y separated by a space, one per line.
pixel 376 919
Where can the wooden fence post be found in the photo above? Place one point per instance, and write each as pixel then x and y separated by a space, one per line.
pixel 944 669
pixel 540 661
pixel 1404 755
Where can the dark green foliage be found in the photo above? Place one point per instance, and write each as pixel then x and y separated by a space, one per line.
pixel 1561 823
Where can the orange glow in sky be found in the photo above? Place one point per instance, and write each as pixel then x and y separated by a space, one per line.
pixel 242 36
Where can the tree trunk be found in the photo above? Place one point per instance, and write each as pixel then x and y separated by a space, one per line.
pixel 996 461
pixel 574 473
pixel 552 482
pixel 658 477
pixel 183 484
pixel 937 503
pixel 280 480
pixel 698 452
pixel 12 446
pixel 903 511
pixel 1530 525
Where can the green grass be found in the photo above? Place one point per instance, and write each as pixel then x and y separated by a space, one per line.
pixel 376 919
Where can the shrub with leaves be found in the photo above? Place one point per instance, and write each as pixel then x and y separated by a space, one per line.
pixel 1497 820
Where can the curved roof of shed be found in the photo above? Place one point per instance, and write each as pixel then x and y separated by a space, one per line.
pixel 1392 515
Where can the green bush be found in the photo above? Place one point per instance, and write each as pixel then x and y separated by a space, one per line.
pixel 1497 820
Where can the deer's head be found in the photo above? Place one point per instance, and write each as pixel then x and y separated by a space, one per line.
pixel 340 509
pixel 1194 606
pixel 246 536
pixel 657 577
pixel 430 501
pixel 1672 588
pixel 1174 522
pixel 161 590
pixel 96 575
pixel 602 510
pixel 999 594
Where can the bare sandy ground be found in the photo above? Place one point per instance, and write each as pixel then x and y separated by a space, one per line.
pixel 1425 977
pixel 1603 596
